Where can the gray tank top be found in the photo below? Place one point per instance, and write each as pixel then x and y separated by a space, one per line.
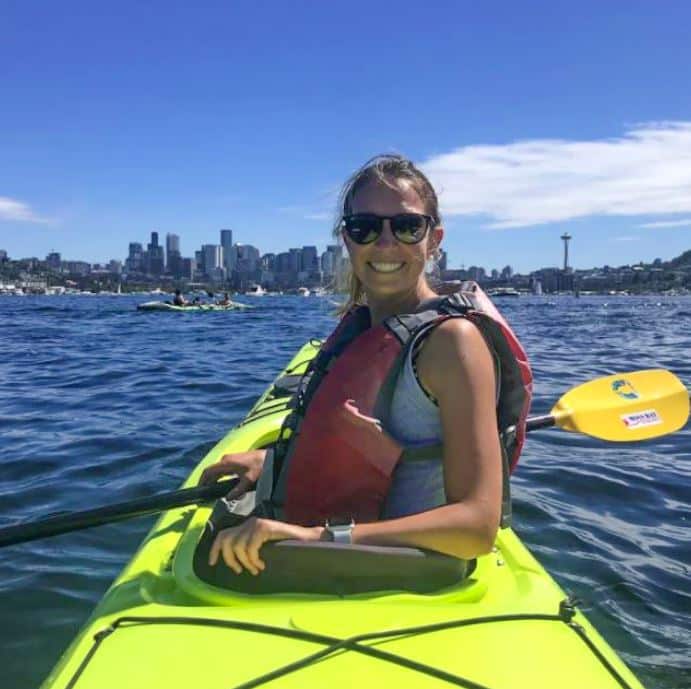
pixel 414 420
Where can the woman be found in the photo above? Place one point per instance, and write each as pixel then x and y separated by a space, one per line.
pixel 445 391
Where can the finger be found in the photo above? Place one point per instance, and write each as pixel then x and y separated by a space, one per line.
pixel 240 551
pixel 215 471
pixel 229 555
pixel 239 489
pixel 210 474
pixel 256 541
pixel 215 550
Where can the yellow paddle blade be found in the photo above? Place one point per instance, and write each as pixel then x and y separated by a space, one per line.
pixel 626 406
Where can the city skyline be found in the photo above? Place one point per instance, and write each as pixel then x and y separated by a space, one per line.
pixel 529 124
pixel 561 262
pixel 664 254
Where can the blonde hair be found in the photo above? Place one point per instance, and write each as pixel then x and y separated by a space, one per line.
pixel 388 169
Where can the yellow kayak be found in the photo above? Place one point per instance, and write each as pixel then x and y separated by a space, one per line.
pixel 163 624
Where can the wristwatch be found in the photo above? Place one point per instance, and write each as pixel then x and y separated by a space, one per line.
pixel 340 530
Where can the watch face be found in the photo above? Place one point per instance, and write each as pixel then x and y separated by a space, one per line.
pixel 340 521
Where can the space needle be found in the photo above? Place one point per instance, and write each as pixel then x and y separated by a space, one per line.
pixel 566 237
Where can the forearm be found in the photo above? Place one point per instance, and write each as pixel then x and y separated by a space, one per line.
pixel 463 530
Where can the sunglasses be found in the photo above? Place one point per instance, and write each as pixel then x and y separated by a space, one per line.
pixel 365 228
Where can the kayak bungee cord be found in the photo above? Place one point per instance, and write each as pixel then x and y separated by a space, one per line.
pixel 565 614
pixel 281 401
pixel 283 405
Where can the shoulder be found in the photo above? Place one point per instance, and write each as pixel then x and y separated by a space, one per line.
pixel 455 336
pixel 455 351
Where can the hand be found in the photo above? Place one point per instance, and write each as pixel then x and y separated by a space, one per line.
pixel 240 545
pixel 246 465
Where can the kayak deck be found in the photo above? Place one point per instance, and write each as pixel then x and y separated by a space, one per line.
pixel 505 626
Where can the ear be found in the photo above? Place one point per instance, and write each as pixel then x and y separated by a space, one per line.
pixel 435 237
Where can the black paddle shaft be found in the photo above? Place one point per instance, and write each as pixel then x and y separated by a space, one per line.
pixel 535 423
pixel 74 521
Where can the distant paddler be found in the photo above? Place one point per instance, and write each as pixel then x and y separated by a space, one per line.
pixel 179 299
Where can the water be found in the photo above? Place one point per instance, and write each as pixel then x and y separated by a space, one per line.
pixel 101 403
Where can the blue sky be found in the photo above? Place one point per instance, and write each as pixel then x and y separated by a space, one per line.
pixel 531 118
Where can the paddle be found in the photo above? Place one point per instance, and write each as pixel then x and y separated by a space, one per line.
pixel 624 407
pixel 75 521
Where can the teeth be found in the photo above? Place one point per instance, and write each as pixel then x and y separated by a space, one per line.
pixel 386 267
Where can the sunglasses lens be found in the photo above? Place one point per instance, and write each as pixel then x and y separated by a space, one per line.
pixel 409 228
pixel 362 229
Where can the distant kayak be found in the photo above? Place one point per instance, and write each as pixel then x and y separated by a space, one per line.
pixel 165 306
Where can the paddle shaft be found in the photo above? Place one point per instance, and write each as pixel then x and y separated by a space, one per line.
pixel 535 423
pixel 141 507
pixel 59 524
pixel 75 521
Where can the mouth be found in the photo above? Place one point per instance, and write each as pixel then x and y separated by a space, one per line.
pixel 385 267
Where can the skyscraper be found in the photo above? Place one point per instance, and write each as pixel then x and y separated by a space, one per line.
pixel 156 258
pixel 211 256
pixel 310 259
pixel 172 243
pixel 135 258
pixel 228 253
pixel 173 259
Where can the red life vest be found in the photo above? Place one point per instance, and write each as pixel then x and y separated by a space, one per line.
pixel 332 458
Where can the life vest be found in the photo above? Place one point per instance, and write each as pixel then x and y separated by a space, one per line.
pixel 330 460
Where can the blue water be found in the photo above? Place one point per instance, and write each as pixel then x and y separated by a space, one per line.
pixel 100 403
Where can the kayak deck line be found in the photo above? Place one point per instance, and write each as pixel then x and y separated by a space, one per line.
pixel 274 409
pixel 272 401
pixel 357 643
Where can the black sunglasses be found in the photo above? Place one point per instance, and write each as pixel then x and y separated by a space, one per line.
pixel 365 228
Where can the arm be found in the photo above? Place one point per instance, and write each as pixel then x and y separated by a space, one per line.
pixel 456 367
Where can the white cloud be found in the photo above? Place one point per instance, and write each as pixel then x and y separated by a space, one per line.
pixel 626 238
pixel 319 216
pixel 306 213
pixel 15 211
pixel 684 222
pixel 646 171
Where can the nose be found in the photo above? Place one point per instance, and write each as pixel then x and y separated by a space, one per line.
pixel 386 238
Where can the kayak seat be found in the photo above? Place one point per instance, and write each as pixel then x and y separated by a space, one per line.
pixel 321 567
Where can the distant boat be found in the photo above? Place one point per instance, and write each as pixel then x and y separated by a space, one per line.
pixel 190 308
pixel 504 292
pixel 255 291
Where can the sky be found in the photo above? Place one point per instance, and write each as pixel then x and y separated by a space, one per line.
pixel 531 119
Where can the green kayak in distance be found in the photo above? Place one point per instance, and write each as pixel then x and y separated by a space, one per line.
pixel 166 306
pixel 167 623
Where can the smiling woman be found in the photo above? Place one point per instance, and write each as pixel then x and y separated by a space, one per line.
pixel 408 440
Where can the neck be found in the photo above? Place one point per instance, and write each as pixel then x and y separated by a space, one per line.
pixel 382 308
